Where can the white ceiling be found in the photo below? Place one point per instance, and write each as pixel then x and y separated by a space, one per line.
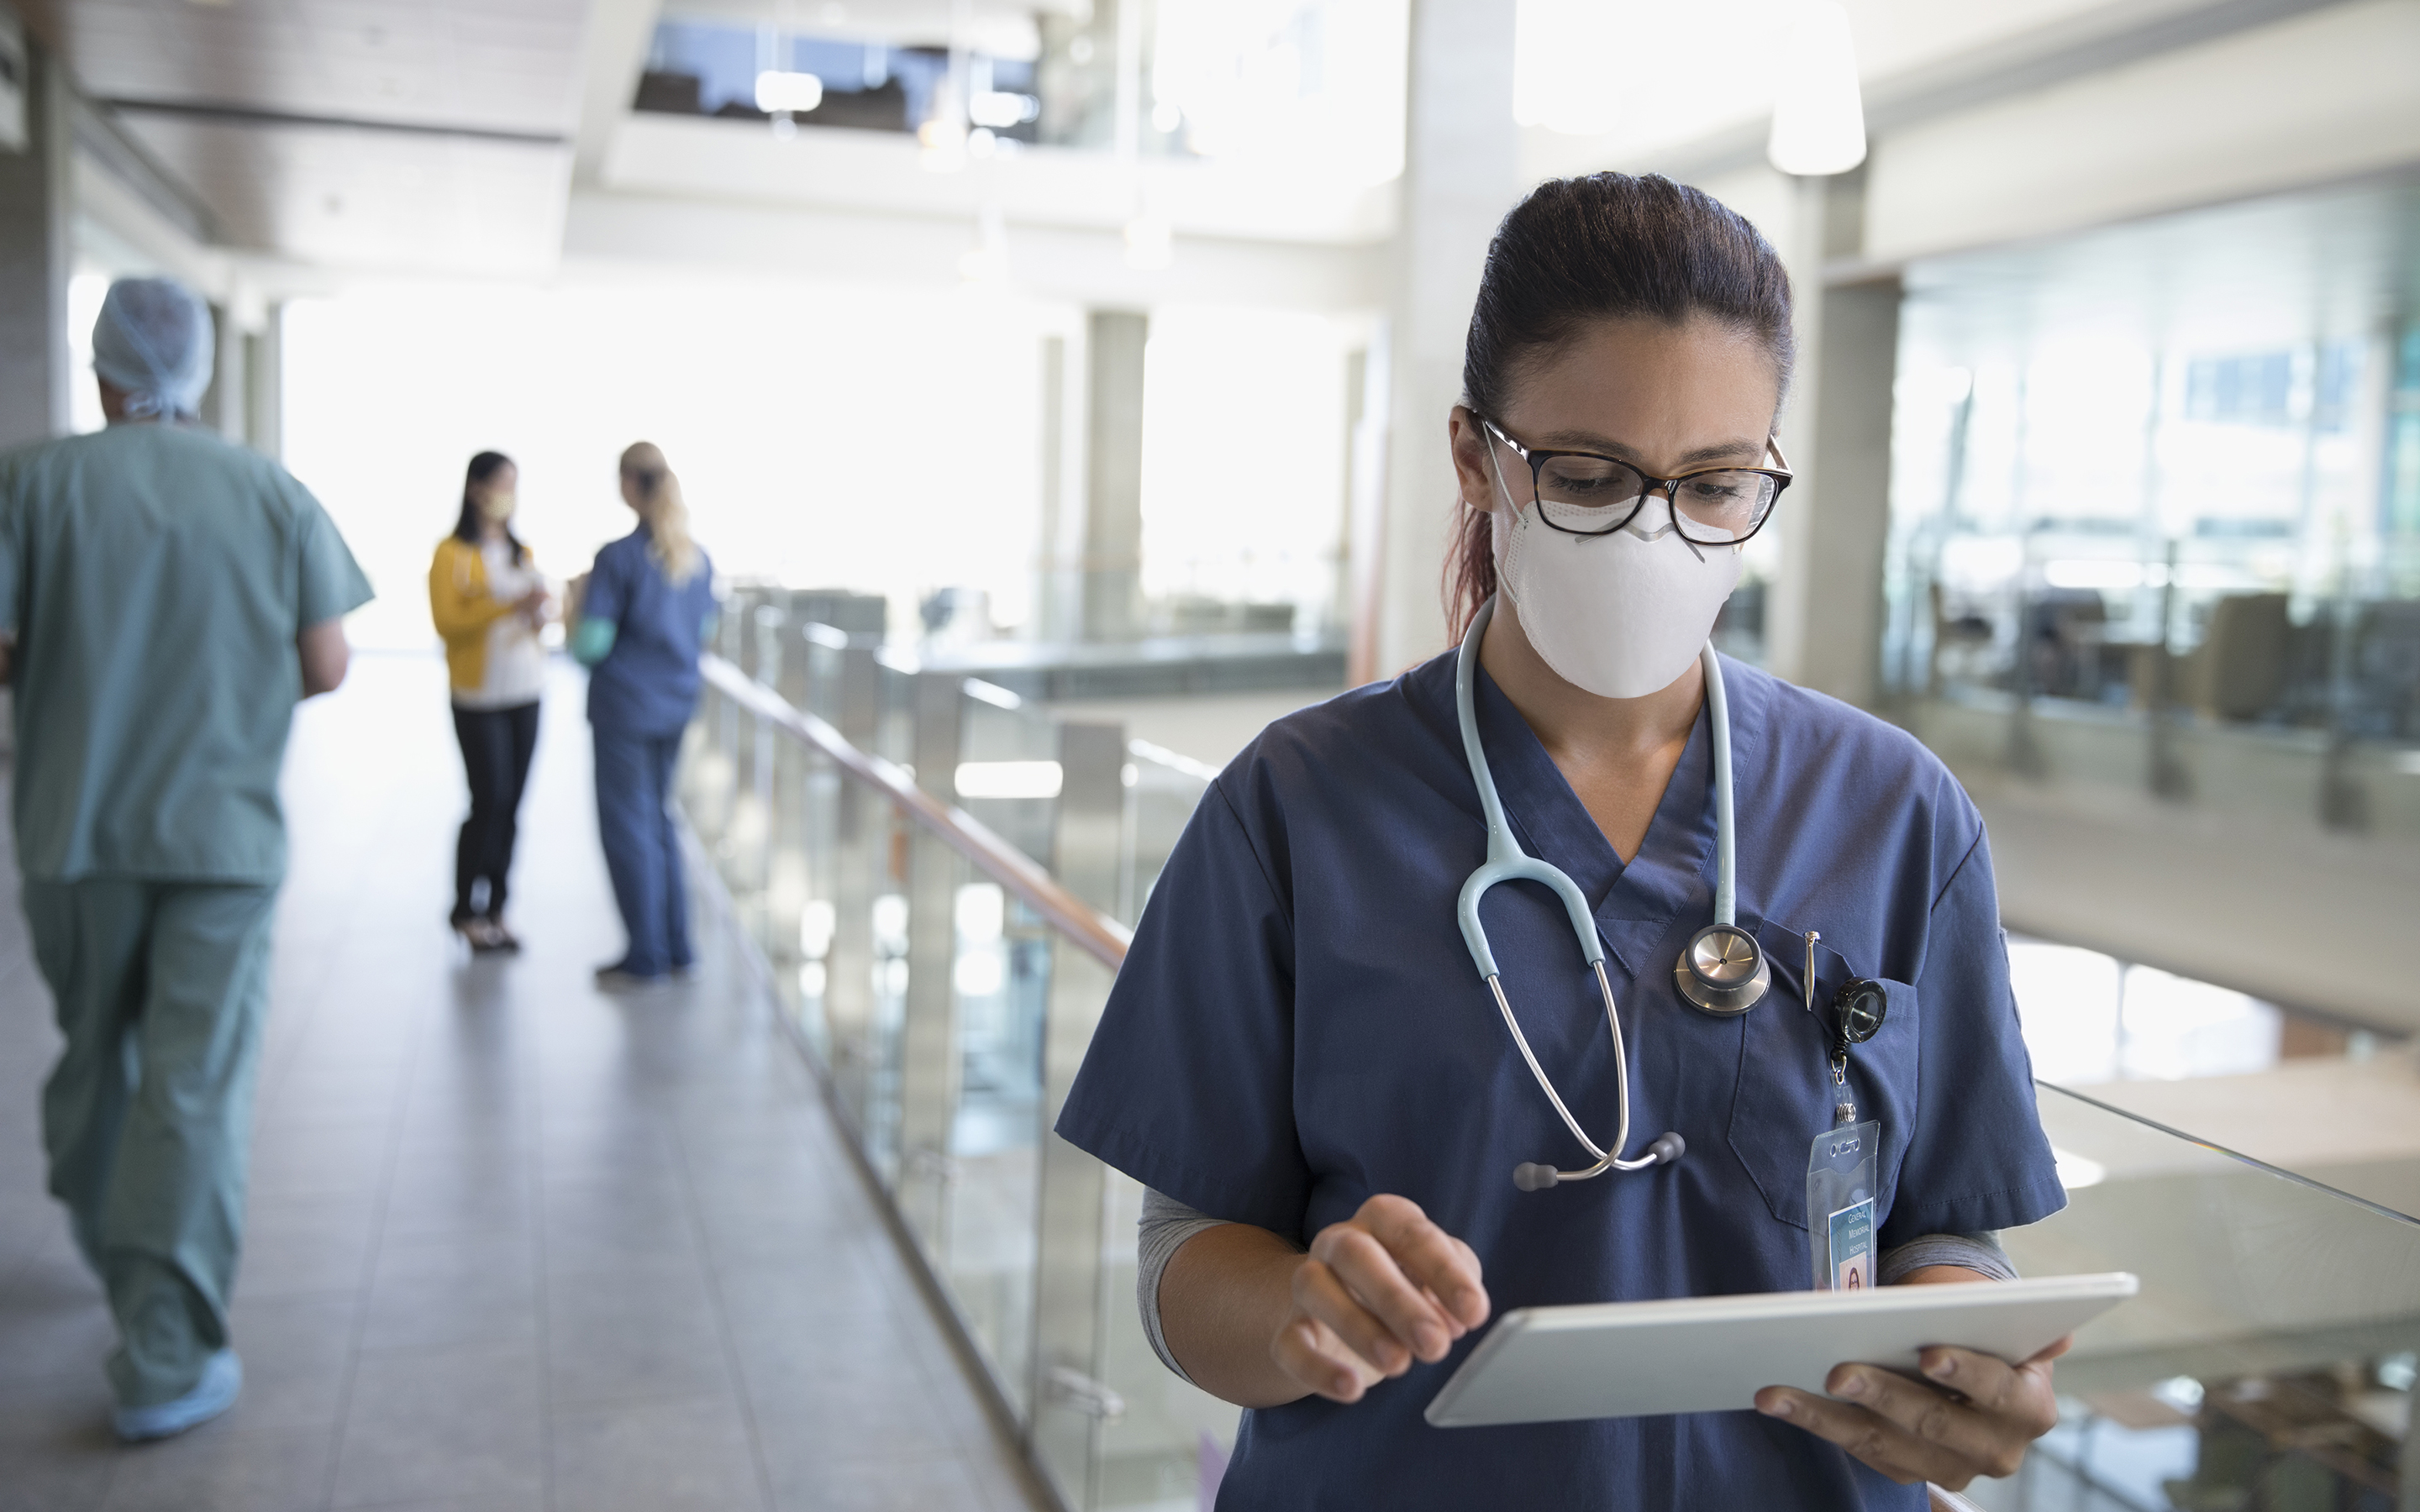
pixel 337 198
pixel 500 66
pixel 427 134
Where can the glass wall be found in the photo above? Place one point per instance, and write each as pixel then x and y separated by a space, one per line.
pixel 2169 467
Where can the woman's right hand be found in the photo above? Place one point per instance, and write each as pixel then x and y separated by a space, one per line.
pixel 1379 1291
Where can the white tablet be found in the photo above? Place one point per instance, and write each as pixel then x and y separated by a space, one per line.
pixel 1712 1354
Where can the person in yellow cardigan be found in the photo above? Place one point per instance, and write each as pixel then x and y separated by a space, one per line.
pixel 488 601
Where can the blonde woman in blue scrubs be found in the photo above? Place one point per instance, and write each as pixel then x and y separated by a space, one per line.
pixel 1301 1064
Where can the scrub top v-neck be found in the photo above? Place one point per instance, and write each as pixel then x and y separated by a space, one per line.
pixel 1298 1027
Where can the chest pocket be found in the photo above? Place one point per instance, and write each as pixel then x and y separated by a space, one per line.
pixel 1786 1097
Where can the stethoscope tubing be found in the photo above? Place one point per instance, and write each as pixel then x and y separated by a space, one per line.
pixel 1507 862
pixel 1606 1160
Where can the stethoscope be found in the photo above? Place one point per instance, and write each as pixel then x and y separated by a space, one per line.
pixel 1722 972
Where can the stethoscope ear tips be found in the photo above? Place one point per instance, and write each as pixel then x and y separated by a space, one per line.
pixel 1533 1176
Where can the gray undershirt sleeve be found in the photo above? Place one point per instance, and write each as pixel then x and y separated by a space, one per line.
pixel 1167 1224
pixel 1976 1252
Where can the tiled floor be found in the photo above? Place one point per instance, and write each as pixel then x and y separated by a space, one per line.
pixel 515 1244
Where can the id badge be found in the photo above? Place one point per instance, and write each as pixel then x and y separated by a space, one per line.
pixel 1841 1167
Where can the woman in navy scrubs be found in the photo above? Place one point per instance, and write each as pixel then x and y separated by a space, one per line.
pixel 645 613
pixel 1301 1064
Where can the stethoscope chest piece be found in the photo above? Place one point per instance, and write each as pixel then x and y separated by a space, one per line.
pixel 1722 972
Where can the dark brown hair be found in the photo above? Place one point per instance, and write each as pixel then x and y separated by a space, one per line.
pixel 1606 246
pixel 483 469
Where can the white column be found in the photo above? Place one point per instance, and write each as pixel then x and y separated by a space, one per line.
pixel 1460 174
pixel 1113 557
pixel 227 403
pixel 264 371
pixel 34 256
pixel 1824 617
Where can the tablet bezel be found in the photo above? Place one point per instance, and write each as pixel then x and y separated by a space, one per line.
pixel 1771 1336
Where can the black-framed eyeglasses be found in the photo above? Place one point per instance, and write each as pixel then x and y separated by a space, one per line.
pixel 1581 493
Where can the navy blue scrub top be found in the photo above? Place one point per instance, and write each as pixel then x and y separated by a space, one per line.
pixel 1298 1027
pixel 647 683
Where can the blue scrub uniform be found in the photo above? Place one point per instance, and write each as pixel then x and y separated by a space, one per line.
pixel 640 698
pixel 1300 1027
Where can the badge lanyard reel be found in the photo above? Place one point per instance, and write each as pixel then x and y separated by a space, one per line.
pixel 1842 1165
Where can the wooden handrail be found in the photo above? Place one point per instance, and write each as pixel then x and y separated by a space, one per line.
pixel 1094 933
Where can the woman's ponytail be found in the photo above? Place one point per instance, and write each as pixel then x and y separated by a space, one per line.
pixel 661 506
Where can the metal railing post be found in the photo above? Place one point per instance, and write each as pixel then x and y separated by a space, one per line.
pixel 764 623
pixel 928 1050
pixel 848 985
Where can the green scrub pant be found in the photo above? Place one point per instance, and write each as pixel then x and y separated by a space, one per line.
pixel 161 987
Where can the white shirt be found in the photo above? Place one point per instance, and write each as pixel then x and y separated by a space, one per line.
pixel 515 671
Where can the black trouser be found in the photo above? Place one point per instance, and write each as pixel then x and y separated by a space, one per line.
pixel 496 749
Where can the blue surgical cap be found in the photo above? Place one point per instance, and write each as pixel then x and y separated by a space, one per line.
pixel 154 339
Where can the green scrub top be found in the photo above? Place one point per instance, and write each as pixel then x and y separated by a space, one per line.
pixel 156 577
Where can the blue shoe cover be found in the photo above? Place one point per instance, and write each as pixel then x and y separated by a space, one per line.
pixel 221 1382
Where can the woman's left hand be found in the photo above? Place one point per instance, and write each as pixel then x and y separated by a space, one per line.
pixel 1972 1415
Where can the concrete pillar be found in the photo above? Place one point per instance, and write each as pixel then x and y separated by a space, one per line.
pixel 1057 575
pixel 1823 618
pixel 1112 555
pixel 1365 510
pixel 264 372
pixel 1461 173
pixel 226 403
pixel 35 254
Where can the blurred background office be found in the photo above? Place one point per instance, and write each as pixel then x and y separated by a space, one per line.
pixel 1062 384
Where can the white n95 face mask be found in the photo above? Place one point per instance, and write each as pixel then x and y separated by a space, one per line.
pixel 1620 614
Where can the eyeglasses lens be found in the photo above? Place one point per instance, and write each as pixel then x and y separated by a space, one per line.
pixel 1590 494
pixel 1727 506
pixel 1587 494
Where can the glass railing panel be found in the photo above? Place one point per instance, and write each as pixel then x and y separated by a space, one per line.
pixel 895 735
pixel 1163 789
pixel 2268 1362
pixel 825 650
pixel 879 1050
pixel 1161 1440
pixel 789 873
pixel 1008 779
pixel 1008 769
pixel 740 852
pixel 704 778
pixel 814 829
pixel 1000 983
pixel 2338 1103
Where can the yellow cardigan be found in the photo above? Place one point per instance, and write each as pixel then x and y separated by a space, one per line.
pixel 458 601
